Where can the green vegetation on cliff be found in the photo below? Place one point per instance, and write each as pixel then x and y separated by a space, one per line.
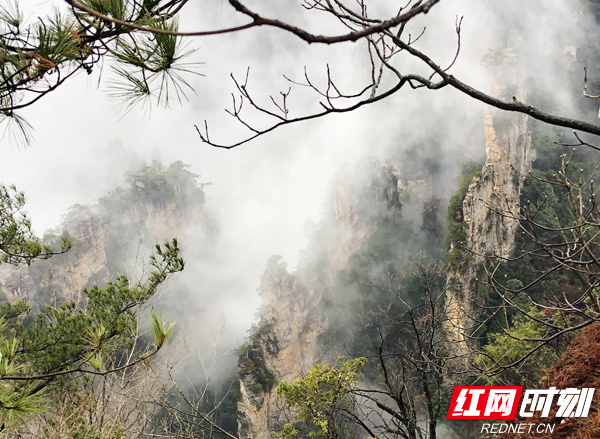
pixel 157 185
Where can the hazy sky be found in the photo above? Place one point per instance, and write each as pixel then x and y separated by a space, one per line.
pixel 263 193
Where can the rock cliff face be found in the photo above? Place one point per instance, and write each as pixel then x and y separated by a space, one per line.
pixel 494 193
pixel 63 276
pixel 105 243
pixel 285 344
pixel 359 197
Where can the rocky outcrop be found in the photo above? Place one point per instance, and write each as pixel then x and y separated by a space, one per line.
pixel 281 348
pixel 492 199
pixel 286 343
pixel 63 276
pixel 105 243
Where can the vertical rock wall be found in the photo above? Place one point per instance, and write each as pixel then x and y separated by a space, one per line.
pixel 494 193
pixel 285 345
pixel 99 240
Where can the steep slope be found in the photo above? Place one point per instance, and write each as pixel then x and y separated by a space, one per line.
pixel 288 339
pixel 296 307
pixel 159 204
pixel 483 225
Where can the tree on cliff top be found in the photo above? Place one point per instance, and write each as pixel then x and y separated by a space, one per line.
pixel 143 42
